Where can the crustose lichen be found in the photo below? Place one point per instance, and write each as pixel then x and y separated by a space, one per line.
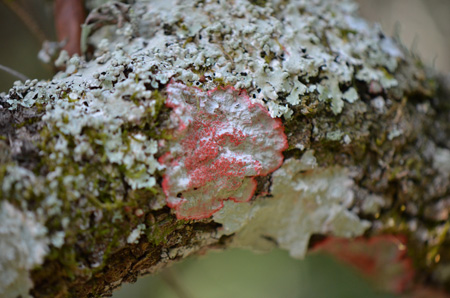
pixel 222 142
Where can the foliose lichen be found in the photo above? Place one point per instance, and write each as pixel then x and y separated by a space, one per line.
pixel 277 59
pixel 306 200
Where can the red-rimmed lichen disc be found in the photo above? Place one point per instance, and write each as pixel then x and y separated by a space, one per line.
pixel 222 142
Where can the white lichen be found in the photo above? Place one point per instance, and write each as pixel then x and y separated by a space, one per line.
pixel 441 161
pixel 23 245
pixel 335 135
pixel 136 233
pixel 394 133
pixel 379 104
pixel 306 200
pixel 18 178
pixel 272 51
pixel 372 204
pixel 351 95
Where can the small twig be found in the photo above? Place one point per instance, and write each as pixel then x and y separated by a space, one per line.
pixel 170 279
pixel 14 73
pixel 27 19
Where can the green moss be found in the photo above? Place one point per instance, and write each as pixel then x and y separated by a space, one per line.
pixel 261 3
pixel 157 232
pixel 345 32
pixel 159 103
pixel 188 40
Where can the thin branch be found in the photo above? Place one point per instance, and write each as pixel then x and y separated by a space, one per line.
pixel 14 73
pixel 27 19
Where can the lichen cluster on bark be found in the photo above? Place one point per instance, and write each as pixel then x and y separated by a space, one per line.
pixel 367 128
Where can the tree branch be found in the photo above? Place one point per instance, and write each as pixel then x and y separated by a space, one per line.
pixel 90 160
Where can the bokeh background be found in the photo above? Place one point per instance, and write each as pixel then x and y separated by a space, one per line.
pixel 423 27
pixel 243 274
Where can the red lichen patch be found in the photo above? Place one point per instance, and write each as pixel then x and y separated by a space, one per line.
pixel 221 143
pixel 382 259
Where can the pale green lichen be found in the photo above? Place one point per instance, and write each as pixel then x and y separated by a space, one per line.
pixel 379 104
pixel 19 178
pixel 306 200
pixel 251 47
pixel 23 246
pixel 372 204
pixel 136 234
pixel 394 133
pixel 351 95
pixel 441 161
pixel 335 135
pixel 276 59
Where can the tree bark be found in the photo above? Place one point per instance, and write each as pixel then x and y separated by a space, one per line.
pixel 82 202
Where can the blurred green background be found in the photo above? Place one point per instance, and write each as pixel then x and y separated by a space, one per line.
pixel 243 274
pixel 424 27
pixel 19 47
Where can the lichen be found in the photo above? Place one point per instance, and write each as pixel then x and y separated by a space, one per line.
pixel 136 234
pixel 23 246
pixel 103 112
pixel 306 200
pixel 441 161
pixel 252 47
pixel 222 142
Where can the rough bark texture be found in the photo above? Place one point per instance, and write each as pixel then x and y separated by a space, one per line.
pixel 78 155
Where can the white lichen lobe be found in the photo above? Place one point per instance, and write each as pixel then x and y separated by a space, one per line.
pixel 279 52
pixel 23 245
pixel 136 234
pixel 306 200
